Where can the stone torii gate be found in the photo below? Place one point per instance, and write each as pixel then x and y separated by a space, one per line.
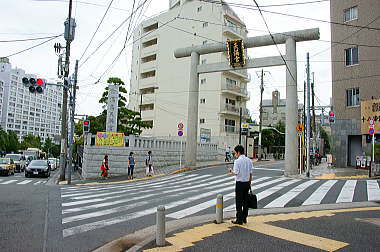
pixel 287 38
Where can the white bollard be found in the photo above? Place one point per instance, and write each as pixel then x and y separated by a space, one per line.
pixel 219 209
pixel 160 226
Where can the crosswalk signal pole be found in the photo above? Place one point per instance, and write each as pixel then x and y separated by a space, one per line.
pixel 308 117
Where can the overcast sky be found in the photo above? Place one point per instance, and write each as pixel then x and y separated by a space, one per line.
pixel 38 18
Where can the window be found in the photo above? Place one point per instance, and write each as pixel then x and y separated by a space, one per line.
pixel 350 14
pixel 150 43
pixel 149 58
pixel 202 120
pixel 199 9
pixel 353 98
pixel 148 74
pixel 203 61
pixel 204 42
pixel 231 82
pixel 205 24
pixel 203 101
pixel 352 56
pixel 203 81
pixel 230 101
pixel 150 28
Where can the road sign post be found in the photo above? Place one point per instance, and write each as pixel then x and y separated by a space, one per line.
pixel 300 128
pixel 180 133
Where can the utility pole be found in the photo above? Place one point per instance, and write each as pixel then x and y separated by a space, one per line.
pixel 261 112
pixel 314 126
pixel 240 121
pixel 72 123
pixel 141 95
pixel 308 117
pixel 68 38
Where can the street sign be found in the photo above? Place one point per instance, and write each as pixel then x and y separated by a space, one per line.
pixel 180 129
pixel 180 126
pixel 371 131
pixel 300 128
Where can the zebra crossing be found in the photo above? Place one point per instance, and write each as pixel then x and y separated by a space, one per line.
pixel 89 208
pixel 21 182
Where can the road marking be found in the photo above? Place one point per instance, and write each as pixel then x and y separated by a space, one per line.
pixel 287 197
pixel 188 237
pixel 24 182
pixel 320 193
pixel 270 191
pixel 8 182
pixel 347 192
pixel 39 182
pixel 296 237
pixel 373 190
pixel 197 208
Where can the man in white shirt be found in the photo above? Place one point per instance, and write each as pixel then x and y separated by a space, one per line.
pixel 243 172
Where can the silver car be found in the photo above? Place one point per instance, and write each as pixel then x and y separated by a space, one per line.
pixel 38 167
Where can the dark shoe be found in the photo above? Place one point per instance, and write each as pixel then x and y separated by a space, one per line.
pixel 237 222
pixel 245 220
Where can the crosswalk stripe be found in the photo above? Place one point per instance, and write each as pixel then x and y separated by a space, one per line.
pixel 8 182
pixel 24 182
pixel 39 182
pixel 320 193
pixel 373 190
pixel 106 222
pixel 272 190
pixel 81 202
pixel 347 192
pixel 99 188
pixel 91 195
pixel 197 208
pixel 285 198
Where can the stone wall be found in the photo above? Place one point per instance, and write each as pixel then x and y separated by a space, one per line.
pixel 164 152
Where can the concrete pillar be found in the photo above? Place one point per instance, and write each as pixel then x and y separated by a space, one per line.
pixel 192 113
pixel 291 143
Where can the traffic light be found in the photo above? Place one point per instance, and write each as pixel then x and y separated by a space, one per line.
pixel 86 126
pixel 331 117
pixel 34 85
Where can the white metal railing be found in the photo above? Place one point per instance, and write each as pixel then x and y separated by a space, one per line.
pixel 235 88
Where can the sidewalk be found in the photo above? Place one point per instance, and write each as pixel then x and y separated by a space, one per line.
pixel 323 172
pixel 140 174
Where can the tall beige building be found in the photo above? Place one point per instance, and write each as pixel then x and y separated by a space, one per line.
pixel 160 82
pixel 355 73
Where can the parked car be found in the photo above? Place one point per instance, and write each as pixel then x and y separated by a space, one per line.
pixel 38 167
pixel 7 166
pixel 53 163
pixel 19 161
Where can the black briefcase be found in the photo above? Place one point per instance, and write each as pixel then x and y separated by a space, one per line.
pixel 252 200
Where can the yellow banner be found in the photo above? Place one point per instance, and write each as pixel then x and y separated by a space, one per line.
pixel 109 139
pixel 370 112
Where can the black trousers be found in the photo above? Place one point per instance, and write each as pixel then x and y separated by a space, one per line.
pixel 241 200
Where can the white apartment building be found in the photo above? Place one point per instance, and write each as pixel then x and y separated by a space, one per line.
pixel 24 112
pixel 159 82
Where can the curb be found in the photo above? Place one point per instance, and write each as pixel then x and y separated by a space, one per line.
pixel 141 238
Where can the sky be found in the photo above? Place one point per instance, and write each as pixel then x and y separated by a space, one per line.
pixel 23 19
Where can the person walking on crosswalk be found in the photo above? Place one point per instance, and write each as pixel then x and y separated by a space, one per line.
pixel 243 171
pixel 104 168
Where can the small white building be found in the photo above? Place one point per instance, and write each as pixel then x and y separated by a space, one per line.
pixel 159 82
pixel 28 113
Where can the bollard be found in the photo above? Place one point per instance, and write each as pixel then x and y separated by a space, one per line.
pixel 160 226
pixel 219 209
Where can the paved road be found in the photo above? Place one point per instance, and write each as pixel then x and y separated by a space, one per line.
pixel 81 218
pixel 106 212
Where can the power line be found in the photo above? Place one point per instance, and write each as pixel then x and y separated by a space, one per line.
pixel 245 6
pixel 97 28
pixel 290 4
pixel 28 39
pixel 29 48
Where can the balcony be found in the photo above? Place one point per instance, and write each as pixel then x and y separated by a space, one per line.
pixel 145 51
pixel 229 129
pixel 148 65
pixel 148 82
pixel 235 90
pixel 147 115
pixel 229 109
pixel 240 73
pixel 147 99
pixel 234 32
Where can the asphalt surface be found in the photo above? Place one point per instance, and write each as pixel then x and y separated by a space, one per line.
pixel 82 218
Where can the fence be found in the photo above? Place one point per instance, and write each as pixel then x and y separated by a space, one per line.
pixel 165 152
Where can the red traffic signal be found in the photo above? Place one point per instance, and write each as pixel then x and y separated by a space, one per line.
pixel 331 113
pixel 34 85
pixel 86 126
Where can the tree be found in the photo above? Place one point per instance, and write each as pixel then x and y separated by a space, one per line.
pixel 31 141
pixel 326 138
pixel 48 146
pixel 12 143
pixel 128 121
